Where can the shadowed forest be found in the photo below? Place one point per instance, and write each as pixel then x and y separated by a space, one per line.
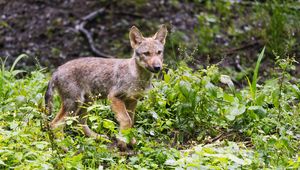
pixel 227 97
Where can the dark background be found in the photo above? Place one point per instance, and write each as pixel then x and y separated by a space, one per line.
pixel 201 32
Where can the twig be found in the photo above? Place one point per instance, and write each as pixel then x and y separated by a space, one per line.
pixel 93 15
pixel 215 138
pixel 220 137
pixel 87 34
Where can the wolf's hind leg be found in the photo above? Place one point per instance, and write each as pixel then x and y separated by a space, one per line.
pixel 130 106
pixel 83 116
pixel 67 107
pixel 86 130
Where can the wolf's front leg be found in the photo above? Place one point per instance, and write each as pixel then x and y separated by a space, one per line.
pixel 130 106
pixel 122 116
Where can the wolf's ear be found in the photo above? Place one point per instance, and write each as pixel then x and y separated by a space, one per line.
pixel 161 34
pixel 135 36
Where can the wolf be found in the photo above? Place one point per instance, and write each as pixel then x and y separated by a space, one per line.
pixel 122 81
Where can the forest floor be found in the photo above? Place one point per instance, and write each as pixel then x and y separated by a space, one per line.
pixel 48 31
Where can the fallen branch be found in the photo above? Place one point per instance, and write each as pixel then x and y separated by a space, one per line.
pixel 80 27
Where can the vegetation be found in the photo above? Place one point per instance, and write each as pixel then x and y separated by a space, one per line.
pixel 190 119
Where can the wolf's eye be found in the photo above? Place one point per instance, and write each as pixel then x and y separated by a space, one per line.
pixel 159 52
pixel 146 53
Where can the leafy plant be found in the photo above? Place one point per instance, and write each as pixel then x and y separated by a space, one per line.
pixel 190 119
pixel 255 75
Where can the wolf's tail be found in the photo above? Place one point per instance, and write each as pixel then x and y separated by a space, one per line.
pixel 49 97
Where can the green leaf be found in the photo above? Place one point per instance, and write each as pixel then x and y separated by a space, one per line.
pixel 92 107
pixel 235 111
pixel 167 78
pixel 2 163
pixel 108 124
pixel 93 118
pixel 13 125
pixel 184 88
pixel 236 159
pixel 41 144
pixel 258 109
pixel 15 72
pixel 19 156
pixel 17 60
pixel 255 75
pixel 227 80
pixel 229 98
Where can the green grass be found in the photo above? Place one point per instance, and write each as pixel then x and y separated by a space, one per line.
pixel 255 75
pixel 190 119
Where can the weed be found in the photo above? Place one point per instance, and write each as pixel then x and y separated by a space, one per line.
pixel 188 120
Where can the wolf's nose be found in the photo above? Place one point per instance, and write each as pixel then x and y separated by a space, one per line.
pixel 157 68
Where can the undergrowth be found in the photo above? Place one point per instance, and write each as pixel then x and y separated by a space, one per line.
pixel 190 119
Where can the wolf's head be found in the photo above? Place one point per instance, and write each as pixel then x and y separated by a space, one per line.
pixel 148 51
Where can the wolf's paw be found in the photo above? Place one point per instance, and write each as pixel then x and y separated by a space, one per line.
pixel 133 141
pixel 122 145
pixel 131 144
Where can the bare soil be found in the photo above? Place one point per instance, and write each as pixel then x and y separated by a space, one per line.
pixel 46 30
